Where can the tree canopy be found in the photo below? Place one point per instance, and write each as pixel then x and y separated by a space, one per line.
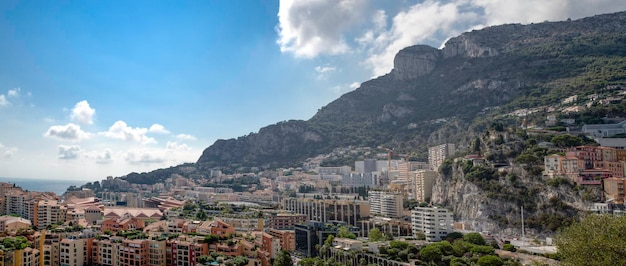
pixel 599 239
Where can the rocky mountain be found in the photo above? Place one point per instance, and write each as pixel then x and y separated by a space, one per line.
pixel 444 95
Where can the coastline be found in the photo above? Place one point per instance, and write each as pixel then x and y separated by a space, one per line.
pixel 57 186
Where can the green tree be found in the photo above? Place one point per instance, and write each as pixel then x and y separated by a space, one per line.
pixel 490 260
pixel 597 238
pixel 474 238
pixel 375 235
pixel 344 232
pixel 240 261
pixel 283 259
pixel 566 141
pixel 509 247
pixel 431 253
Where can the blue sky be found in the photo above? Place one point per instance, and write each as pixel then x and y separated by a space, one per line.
pixel 90 89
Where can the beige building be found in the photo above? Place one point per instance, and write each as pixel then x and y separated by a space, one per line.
pixel 73 252
pixel 437 154
pixel 423 183
pixel 13 224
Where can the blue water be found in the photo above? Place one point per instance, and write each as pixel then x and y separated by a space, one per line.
pixel 43 185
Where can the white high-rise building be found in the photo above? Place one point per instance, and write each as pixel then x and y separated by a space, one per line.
pixel 435 223
pixel 385 204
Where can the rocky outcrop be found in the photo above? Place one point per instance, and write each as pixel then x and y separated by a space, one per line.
pixel 415 61
pixel 466 46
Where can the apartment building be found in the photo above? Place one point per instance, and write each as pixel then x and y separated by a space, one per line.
pixel 180 252
pixel 614 190
pixel 105 251
pixel 326 210
pixel 587 165
pixel 22 257
pixel 435 223
pixel 423 182
pixel 13 224
pixel 287 238
pixel 385 203
pixel 48 213
pixel 285 221
pixel 437 154
pixel 133 252
pixel 270 244
pixel 74 252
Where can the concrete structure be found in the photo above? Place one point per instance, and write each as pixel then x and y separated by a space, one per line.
pixel 326 210
pixel 371 179
pixel 437 154
pixel 435 223
pixel 604 130
pixel 314 233
pixel 385 204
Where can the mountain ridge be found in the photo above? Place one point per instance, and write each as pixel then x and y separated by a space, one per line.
pixel 480 69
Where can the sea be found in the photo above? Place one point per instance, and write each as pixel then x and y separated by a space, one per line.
pixel 44 185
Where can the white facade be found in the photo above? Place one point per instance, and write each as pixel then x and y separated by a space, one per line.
pixel 435 223
pixel 385 204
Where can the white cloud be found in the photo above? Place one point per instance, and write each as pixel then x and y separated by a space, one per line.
pixel 322 72
pixel 174 146
pixel 420 23
pixel 344 88
pixel 120 130
pixel 186 137
pixel 156 128
pixel 83 113
pixel 308 28
pixel 101 157
pixel 70 132
pixel 14 92
pixel 144 157
pixel 7 152
pixel 69 152
pixel 3 101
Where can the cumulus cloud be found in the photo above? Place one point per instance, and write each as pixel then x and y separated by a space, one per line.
pixel 308 28
pixel 156 128
pixel 14 92
pixel 354 85
pixel 3 101
pixel 420 23
pixel 143 158
pixel 104 157
pixel 381 33
pixel 83 113
pixel 120 130
pixel 343 88
pixel 174 146
pixel 70 132
pixel 100 157
pixel 69 152
pixel 7 152
pixel 186 137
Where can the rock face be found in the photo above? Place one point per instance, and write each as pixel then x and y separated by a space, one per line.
pixel 415 61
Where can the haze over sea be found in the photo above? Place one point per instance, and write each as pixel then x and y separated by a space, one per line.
pixel 43 185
